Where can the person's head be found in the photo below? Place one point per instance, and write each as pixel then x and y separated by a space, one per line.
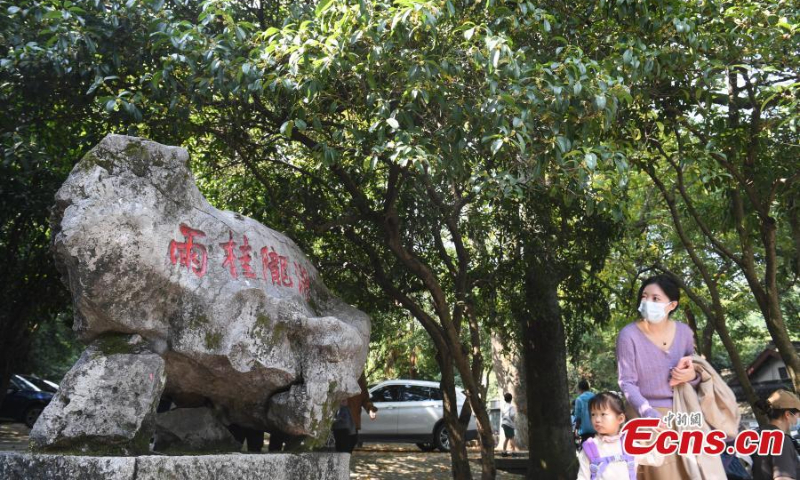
pixel 583 385
pixel 507 396
pixel 607 412
pixel 658 298
pixel 782 408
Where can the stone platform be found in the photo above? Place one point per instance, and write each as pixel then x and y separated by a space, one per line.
pixel 274 466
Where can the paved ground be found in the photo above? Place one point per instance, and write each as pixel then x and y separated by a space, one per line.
pixel 13 436
pixel 374 461
pixel 400 461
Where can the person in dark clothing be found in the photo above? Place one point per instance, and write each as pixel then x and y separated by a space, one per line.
pixel 783 410
pixel 346 436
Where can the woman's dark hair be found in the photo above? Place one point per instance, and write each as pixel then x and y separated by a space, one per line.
pixel 609 400
pixel 507 396
pixel 667 283
pixel 583 385
pixel 773 413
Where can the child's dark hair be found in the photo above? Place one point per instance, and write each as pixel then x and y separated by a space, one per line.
pixel 507 396
pixel 666 283
pixel 609 400
pixel 772 413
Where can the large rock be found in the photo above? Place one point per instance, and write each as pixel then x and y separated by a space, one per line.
pixel 17 466
pixel 107 401
pixel 317 466
pixel 192 429
pixel 236 310
pixel 276 466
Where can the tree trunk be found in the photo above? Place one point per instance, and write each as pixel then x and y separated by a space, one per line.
pixel 471 378
pixel 5 379
pixel 485 435
pixel 458 444
pixel 703 338
pixel 794 222
pixel 768 299
pixel 552 452
pixel 739 368
pixel 774 314
pixel 510 372
pixel 764 290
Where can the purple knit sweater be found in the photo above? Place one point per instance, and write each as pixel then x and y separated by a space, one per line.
pixel 644 369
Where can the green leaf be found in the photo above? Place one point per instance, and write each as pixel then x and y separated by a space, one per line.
pixel 393 123
pixel 563 144
pixel 627 56
pixel 496 145
pixel 495 57
pixel 287 127
pixel 322 7
pixel 591 160
pixel 600 101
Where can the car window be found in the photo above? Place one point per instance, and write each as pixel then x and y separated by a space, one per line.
pixel 44 385
pixel 414 393
pixel 436 394
pixel 389 393
pixel 23 384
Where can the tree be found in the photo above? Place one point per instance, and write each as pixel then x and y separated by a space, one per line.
pixel 715 109
pixel 52 63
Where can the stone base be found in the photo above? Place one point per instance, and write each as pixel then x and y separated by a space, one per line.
pixel 274 466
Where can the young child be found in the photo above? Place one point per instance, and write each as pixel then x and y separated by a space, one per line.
pixel 602 457
pixel 508 421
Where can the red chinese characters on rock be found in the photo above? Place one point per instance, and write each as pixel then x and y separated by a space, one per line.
pixel 244 259
pixel 303 280
pixel 188 253
pixel 276 267
pixel 230 258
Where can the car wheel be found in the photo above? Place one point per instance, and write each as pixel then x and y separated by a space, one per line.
pixel 31 415
pixel 441 438
pixel 426 447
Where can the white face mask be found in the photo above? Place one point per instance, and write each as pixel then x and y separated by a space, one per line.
pixel 653 312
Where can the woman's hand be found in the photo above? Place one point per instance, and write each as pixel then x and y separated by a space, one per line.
pixel 682 375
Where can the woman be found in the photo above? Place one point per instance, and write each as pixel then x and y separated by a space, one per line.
pixel 649 354
pixel 783 410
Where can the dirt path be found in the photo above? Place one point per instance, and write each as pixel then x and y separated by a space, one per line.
pixel 395 462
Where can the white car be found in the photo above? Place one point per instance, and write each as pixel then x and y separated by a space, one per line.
pixel 410 411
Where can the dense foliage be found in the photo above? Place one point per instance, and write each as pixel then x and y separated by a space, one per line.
pixel 453 168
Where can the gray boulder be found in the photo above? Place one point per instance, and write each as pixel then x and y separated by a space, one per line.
pixel 107 401
pixel 16 466
pixel 235 309
pixel 276 466
pixel 192 429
